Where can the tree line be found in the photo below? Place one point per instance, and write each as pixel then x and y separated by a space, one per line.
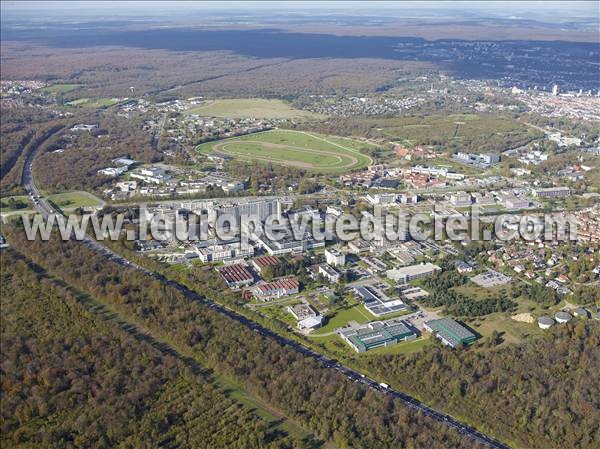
pixel 334 408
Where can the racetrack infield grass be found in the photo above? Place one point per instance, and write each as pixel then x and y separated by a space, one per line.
pixel 309 151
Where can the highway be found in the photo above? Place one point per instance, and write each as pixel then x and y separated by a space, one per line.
pixel 45 209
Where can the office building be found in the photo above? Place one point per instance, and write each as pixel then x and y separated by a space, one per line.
pixel 224 252
pixel 552 192
pixel 335 258
pixel 329 273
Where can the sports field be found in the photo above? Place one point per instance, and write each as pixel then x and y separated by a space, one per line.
pixel 299 149
pixel 61 88
pixel 250 107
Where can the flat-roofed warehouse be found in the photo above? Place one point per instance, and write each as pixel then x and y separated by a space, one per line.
pixel 409 273
pixel 236 275
pixel 376 334
pixel 450 332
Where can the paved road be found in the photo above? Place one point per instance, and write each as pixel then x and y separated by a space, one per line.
pixel 159 131
pixel 44 208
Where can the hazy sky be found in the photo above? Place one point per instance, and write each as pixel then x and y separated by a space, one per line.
pixel 560 10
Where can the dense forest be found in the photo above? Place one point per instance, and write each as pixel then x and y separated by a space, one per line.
pixel 73 380
pixel 333 408
pixel 112 70
pixel 261 176
pixel 460 305
pixel 76 167
pixel 18 140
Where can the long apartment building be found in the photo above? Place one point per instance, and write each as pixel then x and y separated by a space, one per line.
pixel 281 287
pixel 552 192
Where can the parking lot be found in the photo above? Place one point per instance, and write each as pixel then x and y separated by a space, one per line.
pixel 491 278
pixel 418 319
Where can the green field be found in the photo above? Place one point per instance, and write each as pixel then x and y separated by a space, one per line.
pixel 295 149
pixel 72 200
pixel 94 102
pixel 250 107
pixel 61 88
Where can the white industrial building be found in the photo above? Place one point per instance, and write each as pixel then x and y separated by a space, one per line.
pixel 406 274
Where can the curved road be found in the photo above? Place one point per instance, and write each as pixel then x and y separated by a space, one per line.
pixel 45 209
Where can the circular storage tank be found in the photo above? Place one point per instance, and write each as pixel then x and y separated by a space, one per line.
pixel 562 317
pixel 545 322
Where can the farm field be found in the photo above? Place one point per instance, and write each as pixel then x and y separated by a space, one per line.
pixel 312 152
pixel 72 200
pixel 250 107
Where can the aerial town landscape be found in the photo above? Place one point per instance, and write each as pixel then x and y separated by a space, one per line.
pixel 306 226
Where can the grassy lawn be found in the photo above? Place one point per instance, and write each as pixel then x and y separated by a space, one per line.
pixel 280 312
pixel 343 316
pixel 61 88
pixel 404 347
pixel 512 331
pixel 250 107
pixel 351 143
pixel 15 203
pixel 463 117
pixel 474 291
pixel 313 152
pixel 281 155
pixel 72 200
